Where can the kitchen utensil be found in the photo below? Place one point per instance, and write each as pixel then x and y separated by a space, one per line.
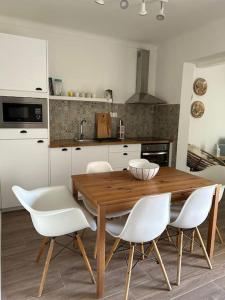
pixel 103 125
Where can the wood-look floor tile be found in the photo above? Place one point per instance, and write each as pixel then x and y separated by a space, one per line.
pixel 207 292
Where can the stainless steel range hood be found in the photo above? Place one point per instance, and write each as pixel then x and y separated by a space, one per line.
pixel 141 95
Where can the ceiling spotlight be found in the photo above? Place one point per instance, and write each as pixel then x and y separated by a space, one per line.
pixel 161 15
pixel 102 2
pixel 143 10
pixel 124 4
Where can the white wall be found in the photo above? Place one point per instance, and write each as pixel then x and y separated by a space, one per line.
pixel 87 62
pixel 206 41
pixel 206 131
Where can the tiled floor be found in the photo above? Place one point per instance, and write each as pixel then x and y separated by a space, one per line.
pixel 68 279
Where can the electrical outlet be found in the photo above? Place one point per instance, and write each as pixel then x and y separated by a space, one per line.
pixel 113 114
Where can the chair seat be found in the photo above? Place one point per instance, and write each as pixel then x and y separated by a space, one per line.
pixel 115 227
pixel 93 211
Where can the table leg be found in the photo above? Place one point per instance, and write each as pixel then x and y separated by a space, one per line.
pixel 101 252
pixel 75 192
pixel 212 223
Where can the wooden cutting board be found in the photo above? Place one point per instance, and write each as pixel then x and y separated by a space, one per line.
pixel 103 125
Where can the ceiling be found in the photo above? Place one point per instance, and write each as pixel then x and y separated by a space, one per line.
pixel 110 20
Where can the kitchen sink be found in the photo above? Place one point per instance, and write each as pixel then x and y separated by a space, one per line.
pixel 85 140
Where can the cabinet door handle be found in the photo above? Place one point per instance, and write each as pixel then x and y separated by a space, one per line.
pixel 23 131
pixel 125 146
pixel 125 154
pixel 40 141
pixel 78 149
pixel 38 89
pixel 64 149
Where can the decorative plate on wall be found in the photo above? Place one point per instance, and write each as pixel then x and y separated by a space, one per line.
pixel 200 86
pixel 197 109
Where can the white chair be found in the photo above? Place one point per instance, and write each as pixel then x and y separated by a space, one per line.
pixel 54 212
pixel 217 174
pixel 100 167
pixel 94 168
pixel 147 221
pixel 193 213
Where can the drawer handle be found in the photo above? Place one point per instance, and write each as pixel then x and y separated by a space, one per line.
pixel 38 89
pixel 125 146
pixel 78 149
pixel 125 154
pixel 40 141
pixel 64 149
pixel 23 131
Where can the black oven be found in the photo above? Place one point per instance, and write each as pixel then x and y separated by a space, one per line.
pixel 16 112
pixel 156 153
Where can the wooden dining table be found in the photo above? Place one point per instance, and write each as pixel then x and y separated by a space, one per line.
pixel 119 190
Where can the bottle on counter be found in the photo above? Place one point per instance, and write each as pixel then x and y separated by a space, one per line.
pixel 121 131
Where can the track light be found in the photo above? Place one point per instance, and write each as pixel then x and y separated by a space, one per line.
pixel 143 10
pixel 102 2
pixel 124 4
pixel 161 15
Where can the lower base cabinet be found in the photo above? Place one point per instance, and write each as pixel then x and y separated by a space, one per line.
pixel 23 163
pixel 60 167
pixel 81 156
pixel 65 162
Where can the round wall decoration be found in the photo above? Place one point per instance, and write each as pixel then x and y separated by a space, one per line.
pixel 200 86
pixel 197 109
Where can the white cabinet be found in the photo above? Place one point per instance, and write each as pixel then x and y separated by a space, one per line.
pixel 23 64
pixel 81 156
pixel 119 155
pixel 23 163
pixel 60 166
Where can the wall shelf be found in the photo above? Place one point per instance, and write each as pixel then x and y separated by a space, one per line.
pixel 79 99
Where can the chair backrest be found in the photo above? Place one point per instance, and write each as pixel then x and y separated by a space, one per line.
pixel 53 210
pixel 98 167
pixel 215 173
pixel 196 208
pixel 148 219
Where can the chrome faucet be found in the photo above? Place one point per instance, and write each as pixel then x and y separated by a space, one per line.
pixel 82 129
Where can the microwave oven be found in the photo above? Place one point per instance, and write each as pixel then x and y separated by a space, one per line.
pixel 20 112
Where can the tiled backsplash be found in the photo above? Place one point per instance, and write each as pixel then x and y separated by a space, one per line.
pixel 140 120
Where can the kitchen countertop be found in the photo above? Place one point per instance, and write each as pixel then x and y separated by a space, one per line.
pixel 74 143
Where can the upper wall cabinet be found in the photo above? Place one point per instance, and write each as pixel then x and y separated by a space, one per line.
pixel 23 64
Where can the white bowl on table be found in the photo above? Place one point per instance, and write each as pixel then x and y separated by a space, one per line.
pixel 142 169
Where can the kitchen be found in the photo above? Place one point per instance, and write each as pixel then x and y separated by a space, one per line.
pixel 103 109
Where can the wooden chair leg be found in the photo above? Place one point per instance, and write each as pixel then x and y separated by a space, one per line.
pixel 45 271
pixel 44 242
pixel 168 235
pixel 179 256
pixel 84 255
pixel 112 251
pixel 142 251
pixel 161 265
pixel 129 269
pixel 219 235
pixel 203 248
pixel 192 241
pixel 151 248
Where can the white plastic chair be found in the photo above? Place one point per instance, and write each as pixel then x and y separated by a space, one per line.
pixel 54 212
pixel 147 221
pixel 100 167
pixel 94 168
pixel 217 174
pixel 193 213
